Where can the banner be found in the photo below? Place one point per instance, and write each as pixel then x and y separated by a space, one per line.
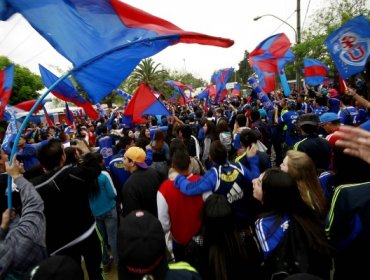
pixel 349 46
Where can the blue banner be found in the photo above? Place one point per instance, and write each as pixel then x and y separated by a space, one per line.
pixel 267 104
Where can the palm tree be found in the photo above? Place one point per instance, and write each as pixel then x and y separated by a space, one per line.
pixel 147 72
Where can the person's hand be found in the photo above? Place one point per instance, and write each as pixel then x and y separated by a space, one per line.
pixel 173 175
pixel 16 169
pixel 355 141
pixel 251 150
pixel 350 91
pixel 82 146
pixel 8 215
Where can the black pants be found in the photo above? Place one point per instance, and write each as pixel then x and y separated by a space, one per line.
pixel 90 249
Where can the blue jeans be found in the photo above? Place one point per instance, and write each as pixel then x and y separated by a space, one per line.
pixel 107 226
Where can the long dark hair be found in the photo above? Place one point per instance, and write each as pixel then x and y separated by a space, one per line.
pixel 223 244
pixel 92 162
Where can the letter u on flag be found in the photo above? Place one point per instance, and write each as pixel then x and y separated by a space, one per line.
pixel 349 46
pixel 6 86
pixel 104 39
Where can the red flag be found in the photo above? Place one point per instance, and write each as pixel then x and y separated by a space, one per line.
pixel 6 85
pixel 342 86
pixel 47 117
pixel 143 100
pixel 28 104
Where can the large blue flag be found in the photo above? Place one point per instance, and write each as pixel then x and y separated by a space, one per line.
pixel 66 91
pixel 104 39
pixel 349 46
pixel 269 58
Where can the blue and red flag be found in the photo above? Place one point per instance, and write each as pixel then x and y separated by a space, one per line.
pixel 269 58
pixel 143 102
pixel 28 104
pixel 47 117
pixel 180 88
pixel 349 46
pixel 236 90
pixel 69 116
pixel 314 71
pixel 67 92
pixel 220 79
pixel 6 86
pixel 104 39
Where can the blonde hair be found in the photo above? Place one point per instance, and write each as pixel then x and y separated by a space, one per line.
pixel 303 170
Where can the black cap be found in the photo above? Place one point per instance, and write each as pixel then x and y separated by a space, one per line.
pixel 57 268
pixel 141 247
pixel 310 119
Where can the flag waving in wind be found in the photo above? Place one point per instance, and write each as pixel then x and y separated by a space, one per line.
pixel 104 39
pixel 143 102
pixel 69 116
pixel 269 58
pixel 349 46
pixel 220 79
pixel 180 87
pixel 6 85
pixel 314 71
pixel 67 92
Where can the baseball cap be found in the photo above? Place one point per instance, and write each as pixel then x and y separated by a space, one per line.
pixel 57 268
pixel 137 155
pixel 310 118
pixel 141 247
pixel 328 117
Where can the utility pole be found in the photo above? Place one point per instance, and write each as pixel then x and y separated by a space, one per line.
pixel 298 74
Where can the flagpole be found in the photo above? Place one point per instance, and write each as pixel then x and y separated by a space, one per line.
pixel 23 126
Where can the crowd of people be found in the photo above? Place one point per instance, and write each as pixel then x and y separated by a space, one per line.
pixel 212 191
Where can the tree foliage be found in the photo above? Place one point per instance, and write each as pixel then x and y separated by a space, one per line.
pixel 26 84
pixel 154 75
pixel 245 69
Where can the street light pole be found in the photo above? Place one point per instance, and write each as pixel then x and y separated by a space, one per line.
pixel 297 33
pixel 283 21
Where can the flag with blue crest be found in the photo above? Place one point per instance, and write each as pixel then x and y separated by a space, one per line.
pixel 349 46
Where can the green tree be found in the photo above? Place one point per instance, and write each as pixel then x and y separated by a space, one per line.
pixel 26 84
pixel 245 70
pixel 147 72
